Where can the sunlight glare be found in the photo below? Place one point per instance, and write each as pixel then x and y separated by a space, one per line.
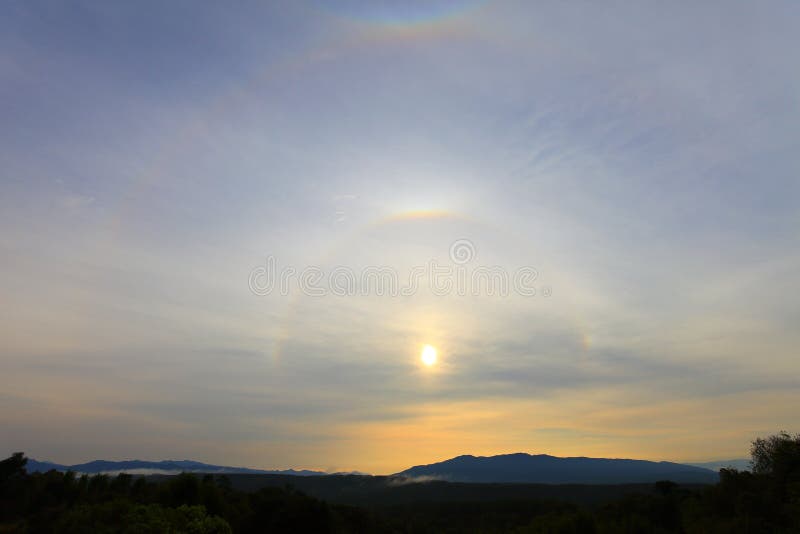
pixel 428 355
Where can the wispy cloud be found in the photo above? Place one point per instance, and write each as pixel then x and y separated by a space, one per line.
pixel 642 158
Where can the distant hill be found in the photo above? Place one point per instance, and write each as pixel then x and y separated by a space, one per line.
pixel 742 464
pixel 506 468
pixel 163 467
pixel 545 469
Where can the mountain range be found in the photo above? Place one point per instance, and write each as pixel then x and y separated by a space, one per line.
pixel 163 467
pixel 741 464
pixel 504 468
pixel 546 469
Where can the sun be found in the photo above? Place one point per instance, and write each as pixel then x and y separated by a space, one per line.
pixel 428 355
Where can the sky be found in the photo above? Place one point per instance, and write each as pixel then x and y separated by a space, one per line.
pixel 629 169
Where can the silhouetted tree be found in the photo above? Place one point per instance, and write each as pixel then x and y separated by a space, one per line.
pixel 12 466
pixel 776 455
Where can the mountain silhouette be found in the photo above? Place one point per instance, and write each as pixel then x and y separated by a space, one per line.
pixel 741 464
pixel 545 469
pixel 159 467
pixel 519 467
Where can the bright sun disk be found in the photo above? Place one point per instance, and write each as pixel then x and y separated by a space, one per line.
pixel 428 355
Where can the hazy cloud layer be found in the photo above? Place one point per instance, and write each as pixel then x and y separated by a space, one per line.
pixel 644 159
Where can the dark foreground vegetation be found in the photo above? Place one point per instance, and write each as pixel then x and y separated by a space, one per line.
pixel 766 500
